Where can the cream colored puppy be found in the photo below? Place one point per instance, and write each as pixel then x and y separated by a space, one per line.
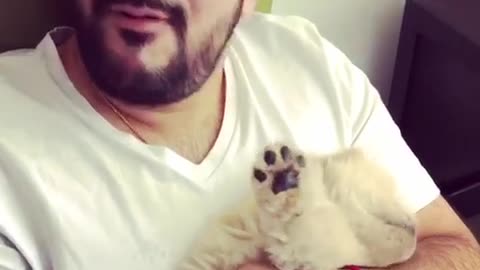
pixel 311 212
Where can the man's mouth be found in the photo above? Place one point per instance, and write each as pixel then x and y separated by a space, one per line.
pixel 140 19
pixel 139 13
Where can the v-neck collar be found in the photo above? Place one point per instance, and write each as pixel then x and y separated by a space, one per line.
pixel 197 173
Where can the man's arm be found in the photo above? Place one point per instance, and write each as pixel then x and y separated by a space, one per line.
pixel 445 242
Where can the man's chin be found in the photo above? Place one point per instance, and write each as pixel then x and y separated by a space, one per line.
pixel 151 55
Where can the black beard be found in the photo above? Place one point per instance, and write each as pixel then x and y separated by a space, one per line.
pixel 177 81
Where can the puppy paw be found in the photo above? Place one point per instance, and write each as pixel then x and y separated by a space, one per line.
pixel 276 179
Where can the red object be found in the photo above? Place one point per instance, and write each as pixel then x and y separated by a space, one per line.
pixel 352 267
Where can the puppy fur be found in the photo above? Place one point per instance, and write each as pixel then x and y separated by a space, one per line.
pixel 340 209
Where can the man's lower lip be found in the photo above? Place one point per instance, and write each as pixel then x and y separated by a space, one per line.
pixel 138 24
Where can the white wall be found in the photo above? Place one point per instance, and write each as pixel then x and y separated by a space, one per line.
pixel 367 31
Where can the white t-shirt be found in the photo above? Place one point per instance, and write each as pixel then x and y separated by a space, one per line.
pixel 75 193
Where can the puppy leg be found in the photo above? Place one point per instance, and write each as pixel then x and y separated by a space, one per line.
pixel 304 229
pixel 367 194
pixel 277 176
pixel 342 210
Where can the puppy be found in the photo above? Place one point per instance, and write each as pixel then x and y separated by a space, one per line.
pixel 310 212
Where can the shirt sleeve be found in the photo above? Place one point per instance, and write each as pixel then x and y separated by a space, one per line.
pixel 374 130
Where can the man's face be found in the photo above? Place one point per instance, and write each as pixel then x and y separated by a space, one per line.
pixel 153 52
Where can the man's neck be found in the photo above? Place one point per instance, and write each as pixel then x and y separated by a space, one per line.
pixel 171 125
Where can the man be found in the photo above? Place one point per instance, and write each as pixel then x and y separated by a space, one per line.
pixel 123 135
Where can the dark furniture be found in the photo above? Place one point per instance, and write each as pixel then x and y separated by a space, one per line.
pixel 23 23
pixel 435 94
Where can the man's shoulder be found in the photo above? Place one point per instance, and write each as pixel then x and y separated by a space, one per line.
pixel 290 56
pixel 288 35
pixel 28 92
pixel 24 72
pixel 17 58
pixel 19 67
pixel 292 70
pixel 291 43
pixel 261 23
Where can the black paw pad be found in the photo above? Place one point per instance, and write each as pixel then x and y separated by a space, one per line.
pixel 270 157
pixel 286 153
pixel 301 161
pixel 260 175
pixel 285 180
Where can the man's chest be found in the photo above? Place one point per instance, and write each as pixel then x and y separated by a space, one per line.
pixel 87 215
pixel 88 207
